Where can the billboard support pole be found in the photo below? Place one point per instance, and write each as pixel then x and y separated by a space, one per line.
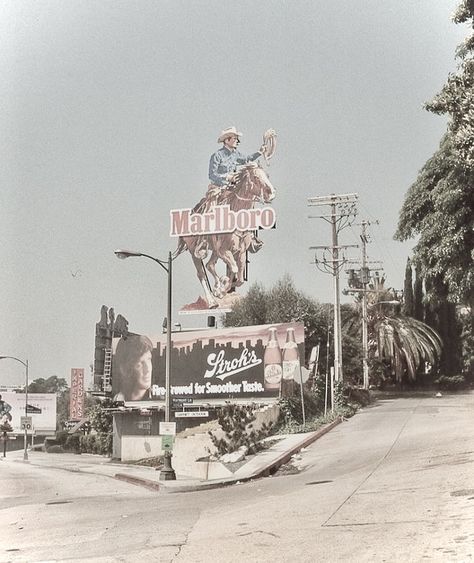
pixel 167 473
pixel 24 363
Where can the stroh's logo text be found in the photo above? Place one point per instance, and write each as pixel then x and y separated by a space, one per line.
pixel 222 368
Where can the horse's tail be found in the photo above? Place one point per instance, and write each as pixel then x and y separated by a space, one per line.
pixel 179 249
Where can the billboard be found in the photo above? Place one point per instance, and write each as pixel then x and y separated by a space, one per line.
pixel 41 408
pixel 222 229
pixel 232 363
pixel 76 397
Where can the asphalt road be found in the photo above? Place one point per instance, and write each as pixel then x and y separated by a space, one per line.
pixel 393 483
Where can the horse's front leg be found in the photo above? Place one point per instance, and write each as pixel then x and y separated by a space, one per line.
pixel 240 257
pixel 220 284
pixel 201 273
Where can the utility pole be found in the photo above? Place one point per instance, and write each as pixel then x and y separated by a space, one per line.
pixel 364 280
pixel 358 283
pixel 343 209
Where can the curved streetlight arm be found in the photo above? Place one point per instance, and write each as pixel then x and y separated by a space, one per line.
pixel 123 254
pixel 13 358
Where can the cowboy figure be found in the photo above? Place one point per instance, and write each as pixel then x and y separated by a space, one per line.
pixel 222 171
pixel 223 163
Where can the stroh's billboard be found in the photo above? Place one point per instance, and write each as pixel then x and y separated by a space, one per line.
pixel 241 362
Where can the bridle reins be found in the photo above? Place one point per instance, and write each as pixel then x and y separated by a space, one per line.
pixel 255 197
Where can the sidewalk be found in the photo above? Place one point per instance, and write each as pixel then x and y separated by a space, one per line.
pixel 260 465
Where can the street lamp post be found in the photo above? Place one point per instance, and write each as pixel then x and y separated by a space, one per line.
pixel 167 473
pixel 25 363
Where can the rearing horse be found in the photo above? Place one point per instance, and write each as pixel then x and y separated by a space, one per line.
pixel 251 185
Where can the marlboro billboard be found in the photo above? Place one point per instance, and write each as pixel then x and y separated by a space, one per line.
pixel 241 362
pixel 223 228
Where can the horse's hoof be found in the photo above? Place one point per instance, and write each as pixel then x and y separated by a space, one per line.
pixel 225 284
pixel 201 254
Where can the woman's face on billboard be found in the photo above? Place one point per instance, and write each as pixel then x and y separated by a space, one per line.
pixel 142 371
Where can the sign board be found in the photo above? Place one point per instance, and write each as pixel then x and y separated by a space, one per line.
pixel 220 219
pixel 191 414
pixel 168 428
pixel 181 400
pixel 41 409
pixel 167 443
pixel 76 397
pixel 26 422
pixel 230 363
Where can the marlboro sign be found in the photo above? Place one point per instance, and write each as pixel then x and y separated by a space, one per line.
pixel 220 219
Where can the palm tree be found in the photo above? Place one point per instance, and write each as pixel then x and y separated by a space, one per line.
pixel 401 340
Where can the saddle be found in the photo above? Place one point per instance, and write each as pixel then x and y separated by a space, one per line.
pixel 211 198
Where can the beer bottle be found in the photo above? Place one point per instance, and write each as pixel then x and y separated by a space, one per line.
pixel 291 358
pixel 272 362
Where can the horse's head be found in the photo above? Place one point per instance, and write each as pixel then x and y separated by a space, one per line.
pixel 252 182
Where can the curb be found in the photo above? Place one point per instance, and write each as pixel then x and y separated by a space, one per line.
pixel 273 466
pixel 140 481
pixel 264 471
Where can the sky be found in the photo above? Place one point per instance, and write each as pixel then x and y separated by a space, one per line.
pixel 110 110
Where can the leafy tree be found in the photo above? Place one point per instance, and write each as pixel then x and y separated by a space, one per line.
pixel 418 309
pixel 456 98
pixel 467 340
pixel 450 331
pixel 282 303
pixel 102 419
pixel 351 332
pixel 53 384
pixel 408 305
pixel 439 206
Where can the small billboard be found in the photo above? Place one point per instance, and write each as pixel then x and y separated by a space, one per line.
pixel 41 408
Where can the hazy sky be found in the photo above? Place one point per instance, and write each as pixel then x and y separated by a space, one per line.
pixel 109 111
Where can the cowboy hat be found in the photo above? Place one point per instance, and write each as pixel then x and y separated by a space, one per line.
pixel 229 132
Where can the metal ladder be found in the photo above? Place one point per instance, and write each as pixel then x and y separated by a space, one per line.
pixel 107 380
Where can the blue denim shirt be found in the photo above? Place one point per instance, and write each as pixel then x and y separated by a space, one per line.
pixel 224 162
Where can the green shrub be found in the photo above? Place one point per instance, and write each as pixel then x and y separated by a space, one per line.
pixel 451 383
pixel 49 442
pixel 56 449
pixel 104 442
pixel 99 443
pixel 88 444
pixel 61 437
pixel 73 443
pixel 237 423
pixel 347 400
